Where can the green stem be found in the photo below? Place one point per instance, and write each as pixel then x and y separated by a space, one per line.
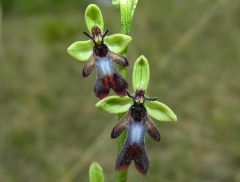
pixel 127 8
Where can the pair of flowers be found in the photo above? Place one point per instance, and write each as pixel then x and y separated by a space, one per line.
pixel 102 52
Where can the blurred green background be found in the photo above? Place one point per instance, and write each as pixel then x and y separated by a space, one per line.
pixel 50 129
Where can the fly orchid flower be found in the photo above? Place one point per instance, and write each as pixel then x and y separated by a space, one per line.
pixel 136 121
pixel 102 52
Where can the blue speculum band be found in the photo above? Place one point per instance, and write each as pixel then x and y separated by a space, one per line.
pixel 105 67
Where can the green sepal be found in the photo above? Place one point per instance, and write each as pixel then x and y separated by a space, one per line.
pixel 160 111
pixel 141 73
pixel 81 50
pixel 96 173
pixel 117 42
pixel 115 104
pixel 93 17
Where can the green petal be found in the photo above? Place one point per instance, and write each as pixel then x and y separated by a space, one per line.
pixel 117 42
pixel 96 173
pixel 93 17
pixel 160 111
pixel 81 50
pixel 141 73
pixel 115 104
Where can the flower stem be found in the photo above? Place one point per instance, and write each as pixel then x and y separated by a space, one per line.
pixel 127 8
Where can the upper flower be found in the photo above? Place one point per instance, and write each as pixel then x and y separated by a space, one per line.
pixel 101 51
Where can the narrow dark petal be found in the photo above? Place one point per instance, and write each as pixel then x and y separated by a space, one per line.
pixel 151 99
pixel 130 95
pixel 119 85
pixel 102 87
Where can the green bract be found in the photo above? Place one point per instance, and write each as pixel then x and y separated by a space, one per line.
pixel 93 17
pixel 114 104
pixel 82 50
pixel 96 173
pixel 127 8
pixel 141 73
pixel 140 79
